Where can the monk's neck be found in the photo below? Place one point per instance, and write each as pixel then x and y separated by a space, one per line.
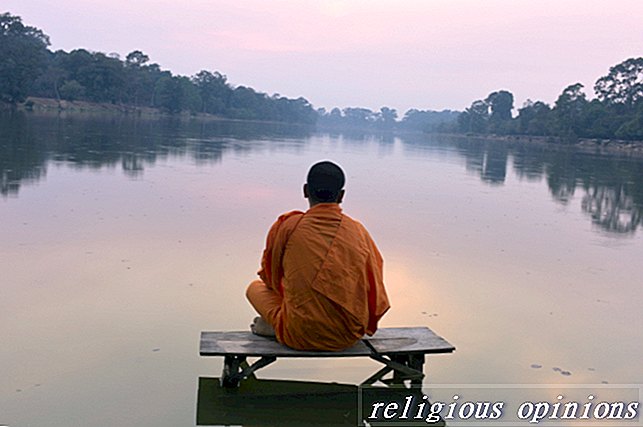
pixel 322 204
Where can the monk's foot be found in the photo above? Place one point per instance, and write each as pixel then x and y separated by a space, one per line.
pixel 261 327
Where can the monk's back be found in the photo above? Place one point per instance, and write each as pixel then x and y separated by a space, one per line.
pixel 325 256
pixel 321 284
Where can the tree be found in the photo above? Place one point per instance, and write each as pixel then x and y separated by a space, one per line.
pixel 188 95
pixel 140 79
pixel 568 109
pixel 623 85
pixel 23 52
pixel 534 118
pixel 72 90
pixel 427 120
pixel 105 79
pixel 501 104
pixel 475 118
pixel 136 59
pixel 358 117
pixel 386 118
pixel 214 91
pixel 167 96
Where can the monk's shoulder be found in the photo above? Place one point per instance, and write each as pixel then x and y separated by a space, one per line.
pixel 287 220
pixel 289 215
pixel 356 227
pixel 366 243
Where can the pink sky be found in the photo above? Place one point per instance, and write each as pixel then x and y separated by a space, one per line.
pixel 429 54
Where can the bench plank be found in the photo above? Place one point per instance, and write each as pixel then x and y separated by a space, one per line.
pixel 384 341
pixel 408 340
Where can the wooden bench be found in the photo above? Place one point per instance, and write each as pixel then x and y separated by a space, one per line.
pixel 401 350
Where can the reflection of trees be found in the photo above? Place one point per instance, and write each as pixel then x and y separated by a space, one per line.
pixel 29 141
pixel 528 164
pixel 561 176
pixel 488 160
pixel 613 185
pixel 612 209
pixel 20 159
pixel 495 164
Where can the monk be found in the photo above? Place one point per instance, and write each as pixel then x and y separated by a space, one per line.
pixel 321 284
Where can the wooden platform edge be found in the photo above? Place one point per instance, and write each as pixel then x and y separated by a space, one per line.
pixel 384 341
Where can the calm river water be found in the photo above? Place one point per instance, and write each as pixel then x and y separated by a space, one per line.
pixel 122 239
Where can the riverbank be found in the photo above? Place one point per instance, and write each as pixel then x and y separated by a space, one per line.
pixel 65 106
pixel 593 145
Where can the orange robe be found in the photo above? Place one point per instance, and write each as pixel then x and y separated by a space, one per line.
pixel 323 280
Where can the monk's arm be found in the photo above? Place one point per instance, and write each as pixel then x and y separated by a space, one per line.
pixel 266 271
pixel 271 271
pixel 378 303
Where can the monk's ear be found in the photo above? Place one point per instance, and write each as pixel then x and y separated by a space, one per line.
pixel 306 191
pixel 340 196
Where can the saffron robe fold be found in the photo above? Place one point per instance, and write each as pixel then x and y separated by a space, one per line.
pixel 328 272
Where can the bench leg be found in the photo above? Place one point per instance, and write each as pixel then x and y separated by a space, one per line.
pixel 416 361
pixel 230 376
pixel 377 376
pixel 236 368
pixel 404 367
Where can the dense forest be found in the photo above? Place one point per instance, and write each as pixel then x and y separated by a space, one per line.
pixel 386 119
pixel 29 68
pixel 616 112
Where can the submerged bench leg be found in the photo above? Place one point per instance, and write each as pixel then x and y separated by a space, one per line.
pixel 230 375
pixel 416 361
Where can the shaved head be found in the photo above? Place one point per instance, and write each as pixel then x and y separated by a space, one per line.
pixel 325 182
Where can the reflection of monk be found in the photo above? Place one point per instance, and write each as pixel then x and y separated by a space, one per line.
pixel 321 282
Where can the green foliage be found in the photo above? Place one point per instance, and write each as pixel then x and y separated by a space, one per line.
pixel 23 52
pixel 501 104
pixel 167 94
pixel 534 118
pixel 475 118
pixel 632 128
pixel 386 119
pixel 28 68
pixel 616 113
pixel 623 84
pixel 428 121
pixel 72 90
pixel 214 91
pixel 568 111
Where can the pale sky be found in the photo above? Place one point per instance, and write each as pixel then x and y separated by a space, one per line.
pixel 430 54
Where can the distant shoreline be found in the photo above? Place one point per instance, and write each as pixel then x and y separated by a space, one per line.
pixel 593 145
pixel 50 105
pixel 588 145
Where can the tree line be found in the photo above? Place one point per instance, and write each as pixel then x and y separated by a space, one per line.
pixel 386 119
pixel 616 112
pixel 29 68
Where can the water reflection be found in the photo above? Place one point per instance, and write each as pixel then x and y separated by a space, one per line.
pixel 116 277
pixel 258 402
pixel 29 141
pixel 612 209
pixel 613 186
pixel 275 402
